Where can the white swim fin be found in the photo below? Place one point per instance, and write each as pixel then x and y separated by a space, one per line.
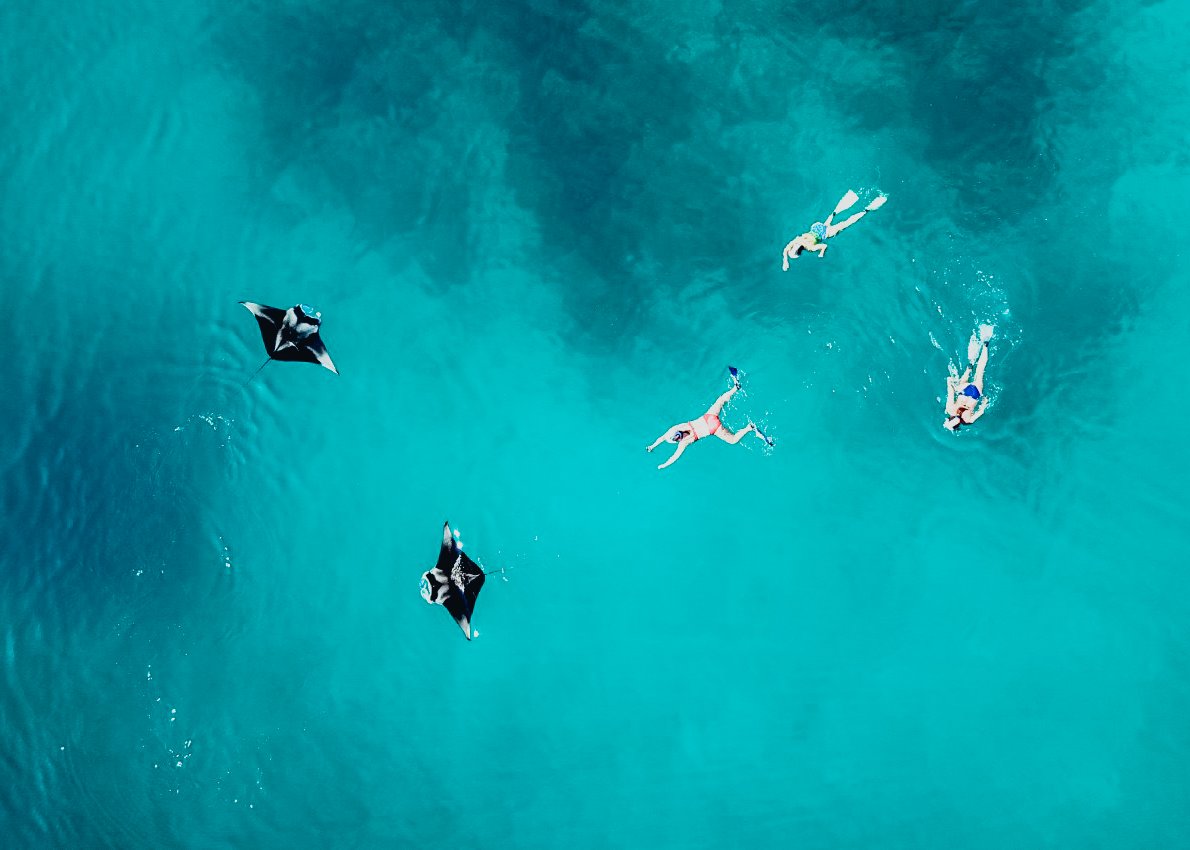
pixel 877 203
pixel 846 202
pixel 974 347
pixel 978 342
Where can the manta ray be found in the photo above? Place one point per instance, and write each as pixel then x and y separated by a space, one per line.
pixel 291 334
pixel 454 582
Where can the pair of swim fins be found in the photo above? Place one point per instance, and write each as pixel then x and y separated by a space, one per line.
pixel 848 200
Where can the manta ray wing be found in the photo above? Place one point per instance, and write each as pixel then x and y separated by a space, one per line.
pixel 459 610
pixel 436 586
pixel 474 578
pixel 269 319
pixel 314 351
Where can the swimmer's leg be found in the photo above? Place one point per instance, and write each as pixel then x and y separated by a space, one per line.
pixel 728 437
pixel 973 347
pixel 845 223
pixel 722 400
pixel 980 366
pixel 768 441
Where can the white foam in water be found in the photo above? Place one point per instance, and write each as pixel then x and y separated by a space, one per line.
pixel 214 420
pixel 217 422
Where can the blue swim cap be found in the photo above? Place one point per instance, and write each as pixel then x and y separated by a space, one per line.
pixel 818 229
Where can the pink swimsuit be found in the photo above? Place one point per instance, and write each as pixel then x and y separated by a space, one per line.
pixel 710 424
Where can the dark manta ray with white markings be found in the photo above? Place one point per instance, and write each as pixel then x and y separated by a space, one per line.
pixel 291 334
pixel 454 582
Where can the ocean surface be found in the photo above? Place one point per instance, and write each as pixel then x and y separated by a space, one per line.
pixel 538 233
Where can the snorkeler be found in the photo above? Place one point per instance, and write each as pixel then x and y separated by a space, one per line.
pixel 691 432
pixel 965 401
pixel 815 238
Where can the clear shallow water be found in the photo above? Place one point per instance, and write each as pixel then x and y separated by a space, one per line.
pixel 537 234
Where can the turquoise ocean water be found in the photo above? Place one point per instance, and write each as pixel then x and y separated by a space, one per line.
pixel 538 232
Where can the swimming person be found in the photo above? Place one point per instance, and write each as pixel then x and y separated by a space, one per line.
pixel 691 432
pixel 965 401
pixel 815 238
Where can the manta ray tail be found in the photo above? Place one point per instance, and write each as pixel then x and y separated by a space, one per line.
pixel 266 362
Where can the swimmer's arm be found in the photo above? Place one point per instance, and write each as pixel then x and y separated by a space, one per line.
pixel 662 438
pixel 978 410
pixel 677 454
pixel 788 253
pixel 951 394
